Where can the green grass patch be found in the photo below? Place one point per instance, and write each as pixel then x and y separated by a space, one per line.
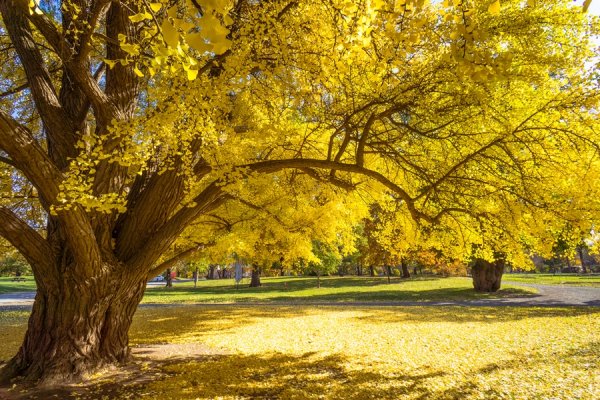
pixel 304 289
pixel 9 285
pixel 558 279
pixel 333 289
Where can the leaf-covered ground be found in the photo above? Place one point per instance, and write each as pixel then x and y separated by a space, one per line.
pixel 240 352
pixel 333 289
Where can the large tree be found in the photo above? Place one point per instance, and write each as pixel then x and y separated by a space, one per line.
pixel 131 120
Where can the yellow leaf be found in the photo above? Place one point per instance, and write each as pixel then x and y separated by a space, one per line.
pixel 131 49
pixel 110 63
pixel 155 6
pixel 221 46
pixel 170 34
pixel 196 40
pixel 138 72
pixel 192 74
pixel 140 17
pixel 494 8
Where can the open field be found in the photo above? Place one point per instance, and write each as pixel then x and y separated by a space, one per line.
pixel 290 289
pixel 7 285
pixel 350 353
pixel 333 289
pixel 555 279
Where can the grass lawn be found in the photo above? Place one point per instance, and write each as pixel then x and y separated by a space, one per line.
pixel 7 285
pixel 558 279
pixel 333 289
pixel 302 352
pixel 292 289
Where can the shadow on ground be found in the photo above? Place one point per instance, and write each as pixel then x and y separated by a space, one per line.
pixel 344 290
pixel 280 376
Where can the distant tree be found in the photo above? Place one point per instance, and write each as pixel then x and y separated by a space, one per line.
pixel 14 265
pixel 327 260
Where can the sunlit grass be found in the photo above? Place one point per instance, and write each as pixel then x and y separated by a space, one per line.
pixel 333 289
pixel 8 285
pixel 298 289
pixel 302 352
pixel 556 279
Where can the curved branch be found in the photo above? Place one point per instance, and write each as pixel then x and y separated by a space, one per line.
pixel 213 196
pixel 27 241
pixel 209 199
pixel 278 165
pixel 58 125
pixel 459 164
pixel 30 158
pixel 184 255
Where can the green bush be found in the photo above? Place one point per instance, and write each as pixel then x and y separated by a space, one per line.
pixel 10 266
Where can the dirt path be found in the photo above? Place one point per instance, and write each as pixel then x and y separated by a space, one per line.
pixel 548 296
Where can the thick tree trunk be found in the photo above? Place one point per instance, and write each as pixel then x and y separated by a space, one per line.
pixel 487 276
pixel 255 278
pixel 76 327
pixel 371 271
pixel 405 271
pixel 388 270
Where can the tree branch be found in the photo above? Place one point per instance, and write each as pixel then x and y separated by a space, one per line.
pixel 184 255
pixel 37 167
pixel 209 199
pixel 299 163
pixel 27 241
pixel 59 127
pixel 213 196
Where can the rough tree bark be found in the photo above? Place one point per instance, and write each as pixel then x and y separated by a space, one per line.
pixel 487 276
pixel 77 326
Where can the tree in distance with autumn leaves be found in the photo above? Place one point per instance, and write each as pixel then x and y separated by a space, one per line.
pixel 128 122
